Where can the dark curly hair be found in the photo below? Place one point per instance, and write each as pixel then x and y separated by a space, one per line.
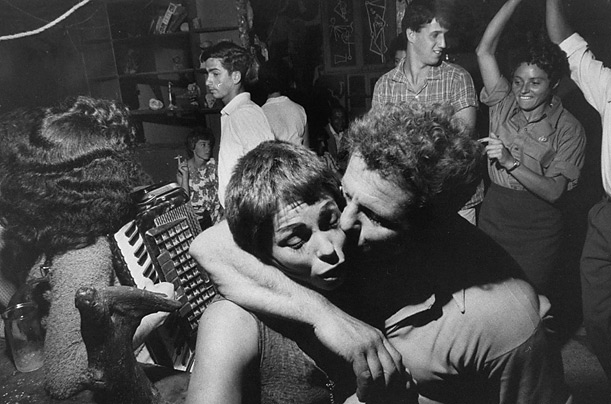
pixel 543 53
pixel 272 175
pixel 421 149
pixel 66 176
pixel 234 58
pixel 418 13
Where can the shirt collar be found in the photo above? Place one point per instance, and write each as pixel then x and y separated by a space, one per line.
pixel 551 114
pixel 404 314
pixel 238 100
pixel 433 74
pixel 331 130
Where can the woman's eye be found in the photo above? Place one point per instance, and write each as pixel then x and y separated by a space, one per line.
pixel 295 243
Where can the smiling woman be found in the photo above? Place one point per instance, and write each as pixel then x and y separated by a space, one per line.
pixel 535 148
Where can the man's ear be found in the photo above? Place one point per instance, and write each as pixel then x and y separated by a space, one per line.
pixel 410 34
pixel 236 77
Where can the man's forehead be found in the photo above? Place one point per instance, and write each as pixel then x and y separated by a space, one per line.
pixel 213 64
pixel 434 26
pixel 374 191
pixel 359 175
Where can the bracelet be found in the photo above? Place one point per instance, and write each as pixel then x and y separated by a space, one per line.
pixel 516 164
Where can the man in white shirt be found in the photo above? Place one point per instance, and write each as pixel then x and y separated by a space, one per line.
pixel 243 123
pixel 287 119
pixel 594 80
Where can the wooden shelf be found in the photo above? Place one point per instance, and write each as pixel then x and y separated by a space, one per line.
pixel 152 38
pixel 104 78
pixel 178 116
pixel 214 29
pixel 136 76
pixel 124 60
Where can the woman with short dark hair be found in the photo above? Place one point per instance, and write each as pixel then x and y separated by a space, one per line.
pixel 535 150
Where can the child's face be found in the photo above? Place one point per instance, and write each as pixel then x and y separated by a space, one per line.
pixel 338 120
pixel 203 149
pixel 308 243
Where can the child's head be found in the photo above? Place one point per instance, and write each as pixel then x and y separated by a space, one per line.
pixel 283 206
pixel 337 119
pixel 399 48
pixel 201 142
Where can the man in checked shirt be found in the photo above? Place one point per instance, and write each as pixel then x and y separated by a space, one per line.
pixel 424 77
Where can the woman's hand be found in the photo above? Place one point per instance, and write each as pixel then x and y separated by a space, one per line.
pixel 183 167
pixel 182 174
pixel 154 320
pixel 496 151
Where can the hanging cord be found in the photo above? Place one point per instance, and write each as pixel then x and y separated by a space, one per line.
pixel 46 26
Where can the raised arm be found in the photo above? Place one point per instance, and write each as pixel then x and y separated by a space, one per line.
pixel 486 49
pixel 245 280
pixel 182 174
pixel 558 29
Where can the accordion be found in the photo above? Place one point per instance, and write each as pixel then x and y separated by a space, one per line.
pixel 155 245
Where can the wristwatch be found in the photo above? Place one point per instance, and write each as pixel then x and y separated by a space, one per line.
pixel 516 164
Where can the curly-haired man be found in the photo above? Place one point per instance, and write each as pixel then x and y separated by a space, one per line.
pixel 449 300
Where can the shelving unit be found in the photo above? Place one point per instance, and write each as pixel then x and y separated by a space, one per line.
pixel 125 60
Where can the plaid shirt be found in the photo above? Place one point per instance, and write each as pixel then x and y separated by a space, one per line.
pixel 446 83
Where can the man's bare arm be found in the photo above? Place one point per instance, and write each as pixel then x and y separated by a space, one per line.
pixel 245 280
pixel 558 28
pixel 468 116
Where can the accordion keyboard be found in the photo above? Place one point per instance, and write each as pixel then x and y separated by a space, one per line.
pixel 172 238
pixel 155 247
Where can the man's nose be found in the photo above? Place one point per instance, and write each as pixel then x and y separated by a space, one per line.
pixel 349 219
pixel 441 41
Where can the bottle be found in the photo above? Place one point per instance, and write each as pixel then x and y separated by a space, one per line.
pixel 171 97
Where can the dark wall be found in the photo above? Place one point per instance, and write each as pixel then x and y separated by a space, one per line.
pixel 42 68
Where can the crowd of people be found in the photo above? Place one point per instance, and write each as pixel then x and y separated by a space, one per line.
pixel 367 262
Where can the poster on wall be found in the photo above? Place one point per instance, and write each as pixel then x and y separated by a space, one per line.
pixel 340 27
pixel 357 33
pixel 376 32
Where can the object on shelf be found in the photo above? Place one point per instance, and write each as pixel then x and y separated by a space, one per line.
pixel 193 92
pixel 177 63
pixel 162 25
pixel 155 104
pixel 178 17
pixel 131 62
pixel 171 97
